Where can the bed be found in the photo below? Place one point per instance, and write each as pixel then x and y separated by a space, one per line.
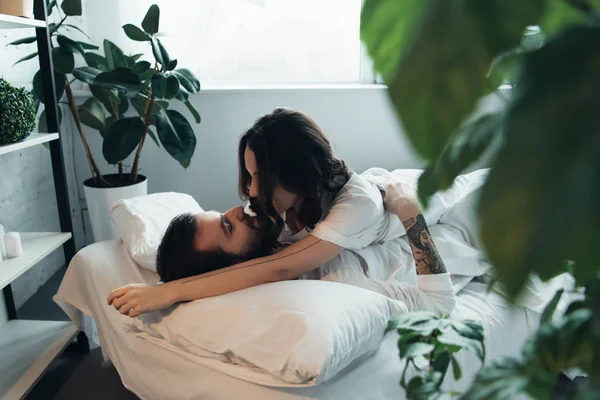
pixel 158 370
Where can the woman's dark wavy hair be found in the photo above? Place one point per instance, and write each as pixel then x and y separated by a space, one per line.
pixel 291 150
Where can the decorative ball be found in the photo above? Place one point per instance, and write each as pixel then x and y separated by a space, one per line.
pixel 17 113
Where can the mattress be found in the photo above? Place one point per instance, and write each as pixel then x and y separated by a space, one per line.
pixel 157 370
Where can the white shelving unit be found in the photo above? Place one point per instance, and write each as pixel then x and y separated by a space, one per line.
pixel 33 140
pixel 27 347
pixel 36 246
pixel 10 22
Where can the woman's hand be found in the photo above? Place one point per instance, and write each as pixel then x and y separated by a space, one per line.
pixel 401 199
pixel 138 298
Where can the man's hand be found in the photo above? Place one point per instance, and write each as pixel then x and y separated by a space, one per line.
pixel 401 199
pixel 138 298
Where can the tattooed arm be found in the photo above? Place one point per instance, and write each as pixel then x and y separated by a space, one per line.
pixel 400 199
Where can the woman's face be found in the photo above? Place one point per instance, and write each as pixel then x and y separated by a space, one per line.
pixel 282 199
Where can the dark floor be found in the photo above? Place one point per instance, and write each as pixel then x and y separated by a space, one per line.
pixel 73 375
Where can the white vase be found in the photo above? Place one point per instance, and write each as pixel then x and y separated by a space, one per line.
pixel 99 203
pixel 18 8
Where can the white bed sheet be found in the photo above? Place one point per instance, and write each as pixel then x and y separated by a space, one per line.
pixel 155 370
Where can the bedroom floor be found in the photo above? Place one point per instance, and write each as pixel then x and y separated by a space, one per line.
pixel 73 375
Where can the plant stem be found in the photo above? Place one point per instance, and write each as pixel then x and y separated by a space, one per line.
pixel 147 114
pixel 93 166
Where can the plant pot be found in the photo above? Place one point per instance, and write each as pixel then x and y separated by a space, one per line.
pixel 18 8
pixel 100 201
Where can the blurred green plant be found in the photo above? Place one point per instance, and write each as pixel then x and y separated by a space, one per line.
pixel 436 340
pixel 539 208
pixel 116 81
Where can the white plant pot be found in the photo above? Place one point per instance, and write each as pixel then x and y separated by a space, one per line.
pixel 18 8
pixel 100 201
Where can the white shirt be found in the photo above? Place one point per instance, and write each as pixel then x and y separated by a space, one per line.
pixel 375 248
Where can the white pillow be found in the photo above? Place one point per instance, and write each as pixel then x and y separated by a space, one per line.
pixel 142 221
pixel 299 332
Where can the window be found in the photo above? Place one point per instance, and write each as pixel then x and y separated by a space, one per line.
pixel 262 41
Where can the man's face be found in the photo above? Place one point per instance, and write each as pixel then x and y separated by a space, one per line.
pixel 233 232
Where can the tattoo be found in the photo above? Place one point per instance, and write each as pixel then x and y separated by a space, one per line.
pixel 427 258
pixel 222 271
pixel 408 223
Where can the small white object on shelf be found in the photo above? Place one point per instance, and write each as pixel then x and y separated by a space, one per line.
pixel 14 247
pixel 2 247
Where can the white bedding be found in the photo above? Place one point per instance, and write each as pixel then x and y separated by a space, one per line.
pixel 158 370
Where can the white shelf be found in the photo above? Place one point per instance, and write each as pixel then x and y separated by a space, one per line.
pixel 32 140
pixel 12 22
pixel 36 246
pixel 26 350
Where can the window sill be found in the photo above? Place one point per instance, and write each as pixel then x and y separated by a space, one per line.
pixel 240 89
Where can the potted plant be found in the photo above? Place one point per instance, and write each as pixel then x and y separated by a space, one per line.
pixel 17 113
pixel 119 82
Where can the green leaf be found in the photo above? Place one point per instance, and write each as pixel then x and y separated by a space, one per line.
pixel 188 80
pixel 453 338
pixel 108 97
pixel 172 87
pixel 151 20
pixel 115 58
pixel 465 148
pixel 77 29
pixel 183 94
pixel 561 14
pixel 177 136
pixel 26 40
pixel 502 380
pixel 434 90
pixel 469 328
pixel 141 67
pixel 70 45
pixel 123 105
pixel 542 175
pixel 550 307
pixel 139 104
pixel 96 61
pixel 441 363
pixel 504 68
pixel 416 349
pixel 88 46
pixel 121 79
pixel 92 114
pixel 60 80
pixel 122 138
pixel 71 7
pixel 50 7
pixel 159 84
pixel 456 371
pixel 193 110
pixel 137 56
pixel 153 136
pixel 86 74
pixel 63 60
pixel 172 65
pixel 135 33
pixel 27 57
pixel 160 53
